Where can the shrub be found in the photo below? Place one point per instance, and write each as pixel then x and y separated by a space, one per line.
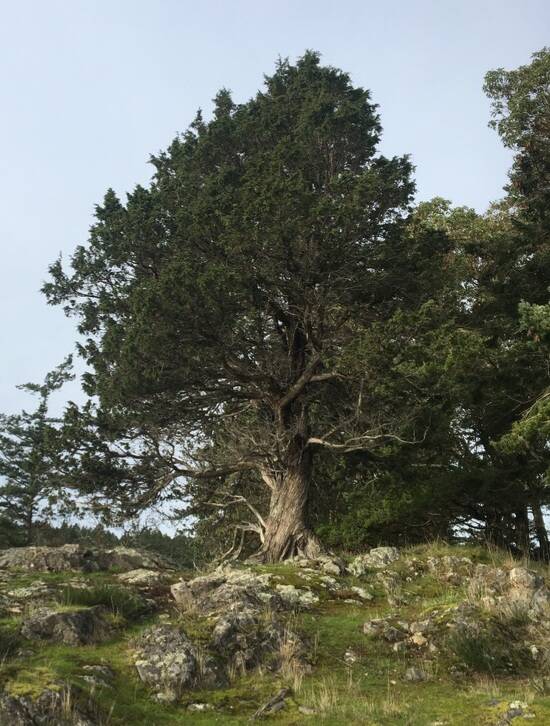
pixel 9 640
pixel 488 651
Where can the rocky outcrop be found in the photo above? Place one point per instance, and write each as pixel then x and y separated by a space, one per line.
pixel 375 559
pixel 232 590
pixel 329 564
pixel 57 705
pixel 226 590
pixel 143 577
pixel 450 568
pixel 296 598
pixel 246 640
pixel 77 627
pixel 127 559
pixel 78 558
pixel 48 559
pixel 167 661
pixel 497 588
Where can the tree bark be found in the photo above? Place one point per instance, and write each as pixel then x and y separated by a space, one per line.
pixel 286 531
pixel 29 526
pixel 523 540
pixel 541 532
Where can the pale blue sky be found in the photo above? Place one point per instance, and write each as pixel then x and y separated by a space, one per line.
pixel 89 88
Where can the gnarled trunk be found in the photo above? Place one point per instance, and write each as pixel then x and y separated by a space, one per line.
pixel 286 531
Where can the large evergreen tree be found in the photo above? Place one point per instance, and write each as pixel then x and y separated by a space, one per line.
pixel 258 305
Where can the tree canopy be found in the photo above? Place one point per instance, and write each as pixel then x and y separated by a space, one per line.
pixel 236 310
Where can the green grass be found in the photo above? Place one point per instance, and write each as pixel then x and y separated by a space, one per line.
pixel 9 639
pixel 120 601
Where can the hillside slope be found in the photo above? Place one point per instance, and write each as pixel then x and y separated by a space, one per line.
pixel 430 635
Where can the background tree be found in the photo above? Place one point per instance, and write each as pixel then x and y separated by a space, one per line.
pixel 31 454
pixel 235 310
pixel 521 115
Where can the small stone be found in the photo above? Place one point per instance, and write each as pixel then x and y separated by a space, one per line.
pixel 415 675
pixel 297 597
pixel 329 581
pixel 392 635
pixel 332 565
pixel 418 639
pixel 421 626
pixel 142 577
pixel 307 710
pixel 399 646
pixel 362 593
pixel 373 627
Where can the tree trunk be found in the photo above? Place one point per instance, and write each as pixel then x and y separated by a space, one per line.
pixel 29 526
pixel 541 532
pixel 286 531
pixel 523 540
pixel 494 528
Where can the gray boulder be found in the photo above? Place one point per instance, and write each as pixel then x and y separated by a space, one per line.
pixel 450 568
pixel 50 708
pixel 36 590
pixel 143 577
pixel 415 675
pixel 331 565
pixel 497 588
pixel 166 660
pixel 226 590
pixel 77 627
pixel 296 598
pixel 376 559
pixel 246 639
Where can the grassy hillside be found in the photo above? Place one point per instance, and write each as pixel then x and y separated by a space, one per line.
pixel 495 675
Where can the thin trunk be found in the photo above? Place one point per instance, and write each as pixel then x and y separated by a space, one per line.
pixel 494 528
pixel 29 524
pixel 541 532
pixel 523 540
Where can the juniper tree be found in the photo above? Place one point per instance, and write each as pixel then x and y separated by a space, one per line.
pixel 231 308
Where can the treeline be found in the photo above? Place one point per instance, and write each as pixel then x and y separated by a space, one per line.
pixel 283 346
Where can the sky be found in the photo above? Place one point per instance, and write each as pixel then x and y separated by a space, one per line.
pixel 90 88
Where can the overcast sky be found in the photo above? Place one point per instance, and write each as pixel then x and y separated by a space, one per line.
pixel 90 88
